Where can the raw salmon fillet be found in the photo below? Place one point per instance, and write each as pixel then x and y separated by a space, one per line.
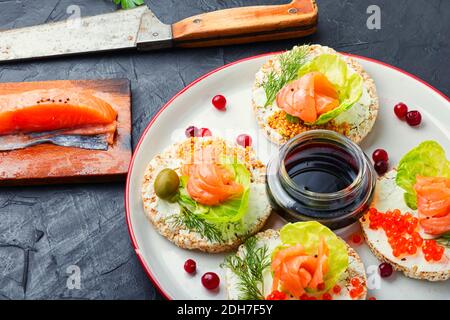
pixel 55 109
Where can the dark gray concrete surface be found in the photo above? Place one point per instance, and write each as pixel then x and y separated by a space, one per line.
pixel 43 230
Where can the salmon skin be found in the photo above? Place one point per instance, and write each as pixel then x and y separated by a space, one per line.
pixel 69 118
pixel 17 142
pixel 54 109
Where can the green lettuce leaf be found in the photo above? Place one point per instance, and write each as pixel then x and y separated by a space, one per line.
pixel 128 4
pixel 349 85
pixel 308 234
pixel 230 211
pixel 428 160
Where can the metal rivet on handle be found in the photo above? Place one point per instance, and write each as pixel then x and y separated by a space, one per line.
pixel 197 20
pixel 155 34
pixel 293 10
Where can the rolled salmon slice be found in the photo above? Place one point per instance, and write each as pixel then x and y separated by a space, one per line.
pixel 295 270
pixel 54 109
pixel 308 97
pixel 210 183
pixel 433 204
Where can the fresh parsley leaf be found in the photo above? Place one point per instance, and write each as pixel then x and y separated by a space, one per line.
pixel 128 4
pixel 250 269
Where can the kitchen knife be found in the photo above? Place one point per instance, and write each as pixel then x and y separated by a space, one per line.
pixel 140 28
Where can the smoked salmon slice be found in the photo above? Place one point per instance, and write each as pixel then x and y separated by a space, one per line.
pixel 210 183
pixel 295 270
pixel 54 109
pixel 433 204
pixel 308 97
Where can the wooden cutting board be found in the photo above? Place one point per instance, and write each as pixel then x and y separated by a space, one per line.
pixel 48 164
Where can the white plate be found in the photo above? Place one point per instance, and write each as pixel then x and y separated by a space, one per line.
pixel 163 261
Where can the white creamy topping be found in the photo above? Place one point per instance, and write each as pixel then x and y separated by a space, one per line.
pixel 259 96
pixel 358 113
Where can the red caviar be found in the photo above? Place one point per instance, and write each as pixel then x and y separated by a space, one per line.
pixel 356 238
pixel 402 232
pixel 357 288
pixel 276 295
pixel 321 286
pixel 354 293
pixel 304 297
pixel 337 289
pixel 355 282
pixel 327 296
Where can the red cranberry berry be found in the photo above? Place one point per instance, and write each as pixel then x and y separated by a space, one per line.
pixel 385 270
pixel 381 167
pixel 204 132
pixel 210 280
pixel 244 140
pixel 356 238
pixel 190 266
pixel 220 102
pixel 380 155
pixel 413 118
pixel 401 110
pixel 191 131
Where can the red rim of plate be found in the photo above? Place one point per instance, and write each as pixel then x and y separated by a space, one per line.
pixel 127 189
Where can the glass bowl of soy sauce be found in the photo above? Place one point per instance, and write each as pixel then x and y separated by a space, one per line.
pixel 321 175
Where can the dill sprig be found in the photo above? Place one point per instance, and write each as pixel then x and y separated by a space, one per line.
pixel 195 223
pixel 290 63
pixel 444 240
pixel 250 269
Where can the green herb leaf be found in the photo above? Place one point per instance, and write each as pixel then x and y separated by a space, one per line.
pixel 290 64
pixel 128 4
pixel 249 269
pixel 349 85
pixel 196 224
pixel 444 240
pixel 292 119
pixel 428 160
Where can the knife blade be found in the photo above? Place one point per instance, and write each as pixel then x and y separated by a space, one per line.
pixel 140 29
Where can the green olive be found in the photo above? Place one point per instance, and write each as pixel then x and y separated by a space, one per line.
pixel 166 184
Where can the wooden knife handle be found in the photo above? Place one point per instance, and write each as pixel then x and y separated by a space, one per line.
pixel 247 24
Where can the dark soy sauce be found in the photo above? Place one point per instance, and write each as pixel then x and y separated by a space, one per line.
pixel 321 168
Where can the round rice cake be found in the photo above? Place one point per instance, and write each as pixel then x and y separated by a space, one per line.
pixel 389 196
pixel 271 239
pixel 161 213
pixel 355 123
